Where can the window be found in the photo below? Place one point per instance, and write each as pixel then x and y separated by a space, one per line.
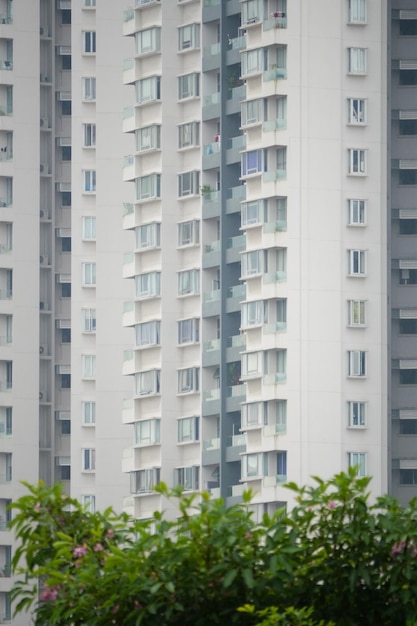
pixel 188 86
pixel 143 481
pixel 357 60
pixel 252 11
pixel 357 162
pixel 88 366
pixel 88 413
pixel 89 3
pixel 254 414
pixel 408 326
pixel 253 111
pixel 89 274
pixel 282 364
pixel 66 153
pixel 89 88
pixel 148 187
pixel 358 460
pixel 188 184
pixel 147 383
pixel 188 429
pixel 357 111
pixel 187 477
pixel 408 227
pixel 88 320
pixel 189 37
pixel 253 212
pixel 66 16
pixel 66 62
pixel 408 277
pixel 408 427
pixel 252 62
pixel 89 228
pixel 253 162
pixel 65 244
pixel 356 312
pixel 357 414
pixel 254 313
pixel 188 380
pixel 189 282
pixel 89 181
pixel 357 366
pixel 357 212
pixel 88 459
pixel 148 285
pixel 65 381
pixel 148 138
pixel 357 11
pixel 89 135
pixel 188 331
pixel 282 464
pixel 357 262
pixel 89 503
pixel 148 41
pixel 408 377
pixel 148 334
pixel 189 135
pixel 66 108
pixel 148 89
pixel 188 233
pixel 148 236
pixel 89 42
pixel 407 177
pixel 408 127
pixel 65 290
pixel 254 465
pixel 147 432
pixel 253 263
pixel 65 472
pixel 253 364
pixel 408 77
pixel 66 198
pixel 66 335
pixel 408 28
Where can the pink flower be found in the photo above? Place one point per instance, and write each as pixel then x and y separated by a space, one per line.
pixel 79 551
pixel 98 547
pixel 332 505
pixel 49 593
pixel 397 548
pixel 37 507
pixel 248 535
pixel 110 533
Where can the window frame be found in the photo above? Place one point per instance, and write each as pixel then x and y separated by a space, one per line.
pixel 148 236
pixel 148 138
pixel 89 181
pixel 359 460
pixel 188 379
pixel 194 235
pixel 357 111
pixel 357 61
pixel 152 386
pixel 88 366
pixel 188 282
pixel 152 46
pixel 88 226
pixel 148 89
pixel 253 162
pixel 89 88
pixel 188 331
pixel 88 413
pixel 250 268
pixel 148 187
pixel 89 274
pixel 88 460
pixel 188 477
pixel 151 434
pixel 357 313
pixel 192 130
pixel 254 314
pixel 357 12
pixel 249 419
pixel 89 42
pixel 357 364
pixel 188 429
pixel 357 414
pixel 357 212
pixel 358 162
pixel 189 86
pixel 153 289
pixel 89 320
pixel 188 183
pixel 148 334
pixel 358 263
pixel 190 41
pixel 89 135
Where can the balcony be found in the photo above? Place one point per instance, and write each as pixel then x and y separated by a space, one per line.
pixel 275 73
pixel 234 98
pixel 128 125
pixel 6 64
pixel 128 270
pixel 211 451
pixel 235 395
pixel 211 205
pixel 128 171
pixel 275 227
pixel 236 444
pixel 211 155
pixel 129 72
pixel 278 20
pixel 211 107
pixel 235 195
pixel 276 124
pixel 211 57
pixel 211 402
pixel 235 295
pixel 274 277
pixel 128 411
pixel 128 367
pixel 211 353
pixel 234 346
pixel 234 246
pixel 211 303
pixel 234 46
pixel 211 254
pixel 275 378
pixel 235 146
pixel 274 429
pixel 128 216
pixel 234 494
pixel 128 317
pixel 273 175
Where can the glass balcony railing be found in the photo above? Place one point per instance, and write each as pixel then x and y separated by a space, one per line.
pixel 212 50
pixel 237 93
pixel 237 43
pixel 212 296
pixel 278 20
pixel 236 242
pixel 128 112
pixel 274 277
pixel 210 346
pixel 211 444
pixel 276 377
pixel 212 148
pixel 236 341
pixel 237 193
pixel 128 208
pixel 275 73
pixel 238 291
pixel 213 98
pixel 273 227
pixel 211 394
pixel 236 440
pixel 128 15
pixel 275 124
pixel 276 327
pixel 279 174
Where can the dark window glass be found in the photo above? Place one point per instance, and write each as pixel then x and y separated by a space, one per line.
pixel 66 290
pixel 408 427
pixel 408 77
pixel 408 177
pixel 408 28
pixel 66 244
pixel 408 227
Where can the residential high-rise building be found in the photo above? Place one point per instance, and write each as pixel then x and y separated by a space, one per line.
pixel 262 202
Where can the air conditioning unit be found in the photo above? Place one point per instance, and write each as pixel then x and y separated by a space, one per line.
pixel 42 349
pixel 44 168
pixel 44 122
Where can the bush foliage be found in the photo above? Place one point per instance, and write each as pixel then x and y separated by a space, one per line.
pixel 336 558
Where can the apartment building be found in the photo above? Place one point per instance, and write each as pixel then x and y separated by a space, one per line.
pixel 260 209
pixel 261 205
